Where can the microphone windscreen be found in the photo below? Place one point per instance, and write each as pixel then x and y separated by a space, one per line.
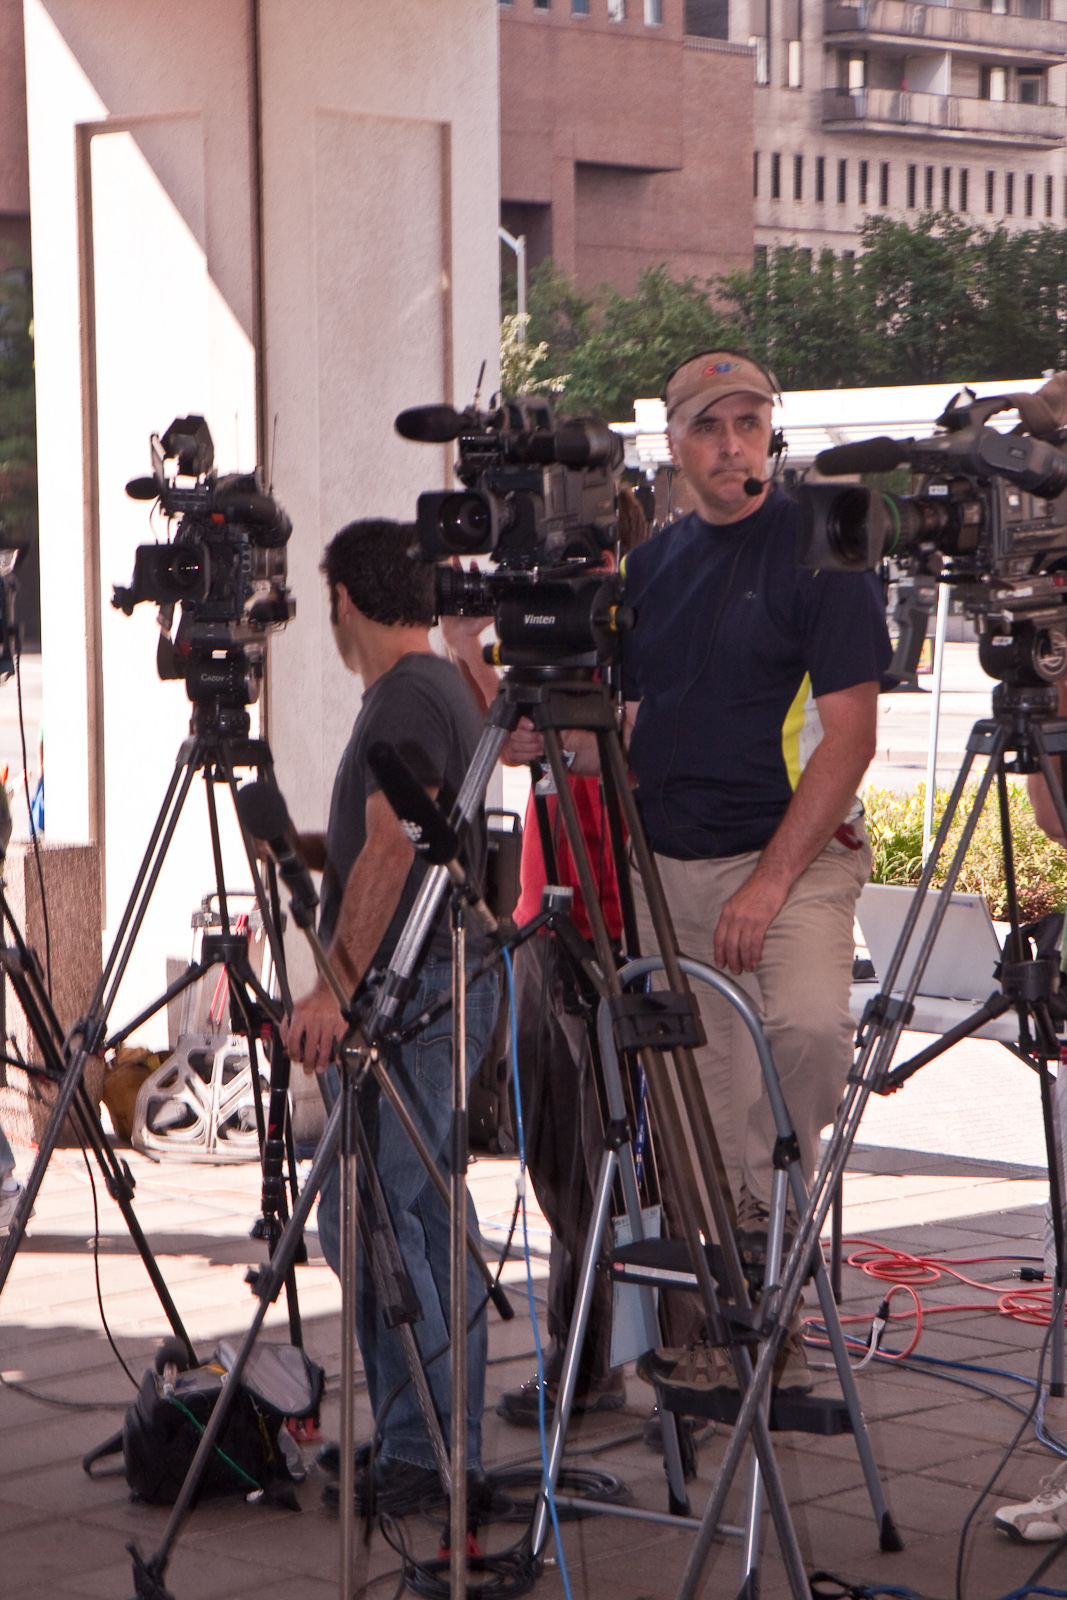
pixel 172 1351
pixel 754 486
pixel 143 489
pixel 263 811
pixel 430 424
pixel 866 455
pixel 428 829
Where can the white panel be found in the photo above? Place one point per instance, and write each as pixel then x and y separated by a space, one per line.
pixel 167 345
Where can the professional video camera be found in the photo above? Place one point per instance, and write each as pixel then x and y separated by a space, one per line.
pixel 226 567
pixel 990 518
pixel 539 500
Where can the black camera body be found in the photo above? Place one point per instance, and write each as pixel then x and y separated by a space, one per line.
pixel 539 499
pixel 225 567
pixel 990 518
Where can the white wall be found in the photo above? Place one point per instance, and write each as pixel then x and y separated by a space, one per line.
pixel 379 141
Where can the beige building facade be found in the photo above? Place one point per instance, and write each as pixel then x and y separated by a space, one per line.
pixel 894 107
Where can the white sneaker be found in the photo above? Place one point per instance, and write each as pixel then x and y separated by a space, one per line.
pixel 8 1207
pixel 1041 1519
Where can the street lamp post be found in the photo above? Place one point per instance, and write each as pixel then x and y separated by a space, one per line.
pixel 519 247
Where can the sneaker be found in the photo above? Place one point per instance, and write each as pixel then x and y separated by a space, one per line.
pixel 400 1488
pixel 694 1369
pixel 792 1375
pixel 698 1369
pixel 1041 1519
pixel 521 1407
pixel 753 1222
pixel 8 1207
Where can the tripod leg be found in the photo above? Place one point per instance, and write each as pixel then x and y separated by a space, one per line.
pixel 346 1509
pixel 458 1258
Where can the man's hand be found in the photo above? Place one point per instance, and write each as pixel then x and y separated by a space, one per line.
pixel 745 918
pixel 523 745
pixel 315 1025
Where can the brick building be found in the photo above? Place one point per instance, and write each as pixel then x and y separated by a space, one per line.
pixel 886 106
pixel 14 162
pixel 626 136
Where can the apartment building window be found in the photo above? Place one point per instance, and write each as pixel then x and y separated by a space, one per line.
pixel 863 183
pixel 542 5
pixel 1048 195
pixel 798 177
pixel 794 61
pixel 579 8
pixel 928 188
pixel 755 174
pixel 999 8
pixel 912 171
pixel 946 188
pixel 763 58
pixel 963 189
pixel 857 74
pixel 776 176
pixel 993 83
pixel 820 177
pixel 1009 193
pixel 1031 88
pixel 1028 202
pixel 883 184
pixel 653 13
pixel 990 182
pixel 616 10
pixel 842 182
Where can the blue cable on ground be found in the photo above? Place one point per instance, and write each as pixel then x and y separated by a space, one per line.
pixel 529 1271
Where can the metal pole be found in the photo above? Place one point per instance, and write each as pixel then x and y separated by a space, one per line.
pixel 944 602
pixel 458 1166
pixel 346 1509
pixel 519 246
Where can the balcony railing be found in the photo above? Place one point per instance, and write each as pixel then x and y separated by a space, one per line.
pixel 951 25
pixel 993 120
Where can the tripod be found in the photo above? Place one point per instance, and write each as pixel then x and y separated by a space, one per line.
pixel 653 1027
pixel 633 1023
pixel 218 746
pixel 1023 723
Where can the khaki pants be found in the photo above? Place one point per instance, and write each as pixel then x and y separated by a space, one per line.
pixel 800 988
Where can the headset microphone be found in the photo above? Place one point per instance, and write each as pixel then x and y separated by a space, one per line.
pixel 755 486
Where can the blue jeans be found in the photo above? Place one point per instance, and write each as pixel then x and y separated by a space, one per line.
pixel 422 1072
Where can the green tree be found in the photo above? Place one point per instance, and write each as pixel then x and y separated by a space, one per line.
pixel 802 318
pixel 637 339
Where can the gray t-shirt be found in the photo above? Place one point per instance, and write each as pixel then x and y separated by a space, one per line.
pixel 424 709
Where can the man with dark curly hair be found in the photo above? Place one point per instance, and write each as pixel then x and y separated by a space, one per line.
pixel 381 610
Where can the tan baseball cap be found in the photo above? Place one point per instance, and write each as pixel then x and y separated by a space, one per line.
pixel 703 379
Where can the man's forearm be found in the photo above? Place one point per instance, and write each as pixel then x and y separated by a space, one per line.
pixel 371 896
pixel 820 804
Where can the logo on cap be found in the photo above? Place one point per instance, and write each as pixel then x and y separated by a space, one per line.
pixel 721 366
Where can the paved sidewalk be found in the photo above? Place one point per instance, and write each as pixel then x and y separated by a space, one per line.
pixel 62 1535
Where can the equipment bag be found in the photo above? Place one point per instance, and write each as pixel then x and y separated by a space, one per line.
pixel 254 1453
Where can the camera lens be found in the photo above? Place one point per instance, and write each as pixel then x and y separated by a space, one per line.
pixel 465 524
pixel 847 526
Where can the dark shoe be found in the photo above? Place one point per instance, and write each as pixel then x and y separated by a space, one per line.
pixel 521 1407
pixel 400 1488
pixel 329 1458
pixel 792 1375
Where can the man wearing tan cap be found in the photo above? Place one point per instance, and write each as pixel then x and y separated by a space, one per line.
pixel 751 689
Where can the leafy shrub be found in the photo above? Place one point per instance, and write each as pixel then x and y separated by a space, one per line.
pixel 895 823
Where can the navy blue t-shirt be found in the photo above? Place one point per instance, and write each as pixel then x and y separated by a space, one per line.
pixel 731 646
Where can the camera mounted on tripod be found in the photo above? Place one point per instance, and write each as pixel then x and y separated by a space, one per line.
pixel 539 500
pixel 225 566
pixel 990 518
